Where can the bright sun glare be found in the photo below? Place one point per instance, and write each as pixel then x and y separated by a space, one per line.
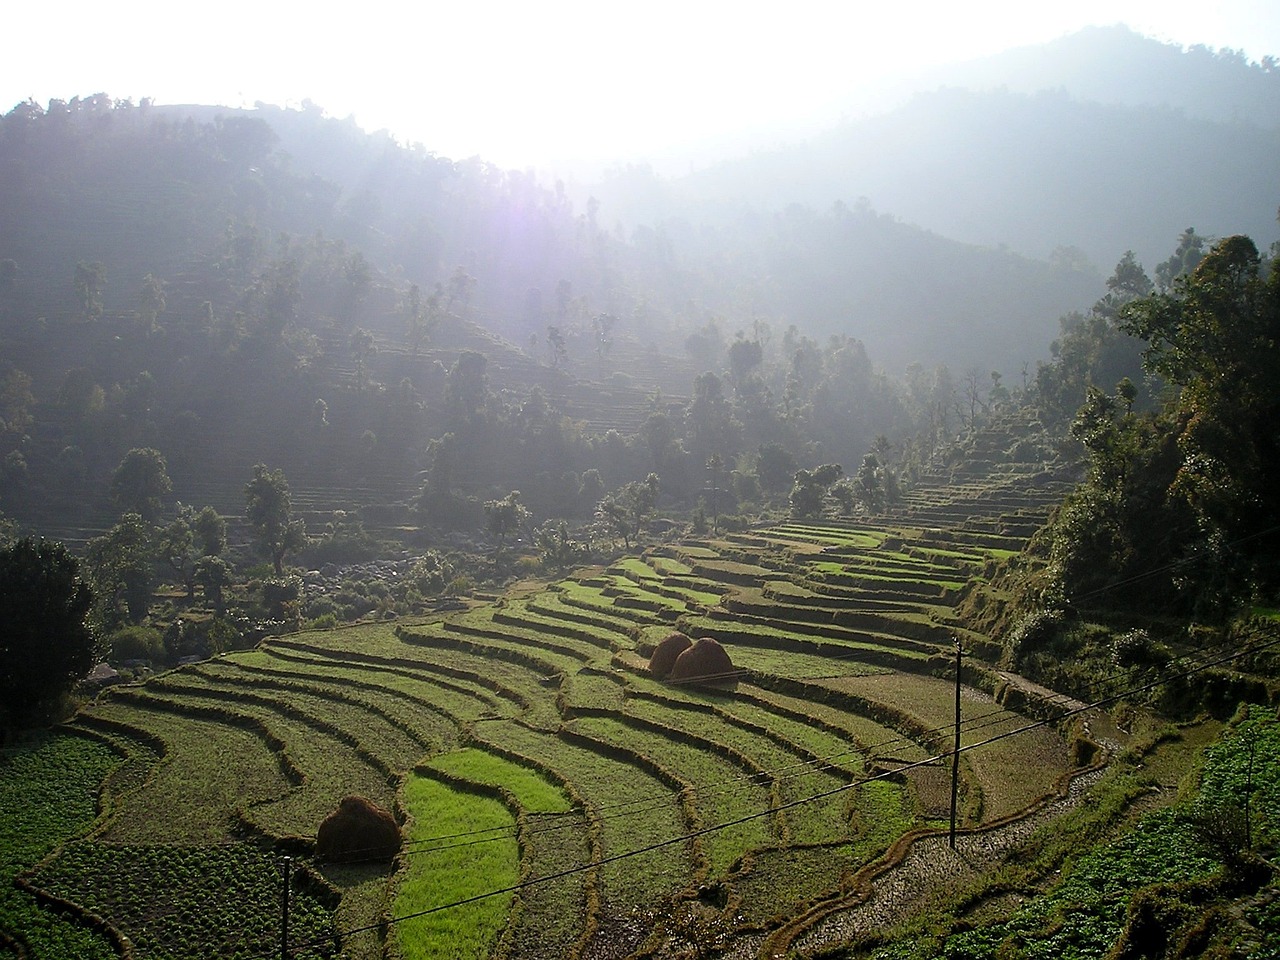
pixel 533 84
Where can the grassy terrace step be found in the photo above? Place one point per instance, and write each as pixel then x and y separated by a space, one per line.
pixel 734 631
pixel 835 535
pixel 425 726
pixel 549 919
pixel 374 736
pixel 933 580
pixel 987 541
pixel 1007 775
pixel 904 592
pixel 732 572
pixel 641 595
pixel 614 630
pixel 628 806
pixel 589 594
pixel 590 689
pixel 442 671
pixel 685 589
pixel 824 627
pixel 796 773
pixel 511 638
pixel 224 768
pixel 432 877
pixel 807 604
pixel 331 767
pixel 814 743
pixel 412 707
pixel 702 774
pixel 591 640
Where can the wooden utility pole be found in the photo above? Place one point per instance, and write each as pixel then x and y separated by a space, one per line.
pixel 284 910
pixel 955 753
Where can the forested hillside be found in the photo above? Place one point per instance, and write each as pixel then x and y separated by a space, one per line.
pixel 1101 142
pixel 741 565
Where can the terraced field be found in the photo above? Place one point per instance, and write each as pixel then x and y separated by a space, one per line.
pixel 558 799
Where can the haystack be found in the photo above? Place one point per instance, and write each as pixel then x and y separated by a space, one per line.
pixel 706 662
pixel 357 832
pixel 665 654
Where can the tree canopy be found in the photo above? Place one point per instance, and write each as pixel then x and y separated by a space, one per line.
pixel 45 644
pixel 1181 504
pixel 269 510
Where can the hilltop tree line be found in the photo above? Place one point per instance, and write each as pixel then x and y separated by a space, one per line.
pixel 1178 510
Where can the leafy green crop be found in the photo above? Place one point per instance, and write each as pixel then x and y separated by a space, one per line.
pixel 48 788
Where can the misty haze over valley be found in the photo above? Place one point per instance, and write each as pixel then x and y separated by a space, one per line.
pixel 413 556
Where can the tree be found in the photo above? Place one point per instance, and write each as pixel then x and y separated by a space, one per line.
pixel 1189 253
pixel 190 537
pixel 506 516
pixel 559 550
pixel 420 317
pixel 1214 336
pixel 213 574
pixel 46 645
pixel 467 389
pixel 140 482
pixel 268 509
pixel 89 281
pixel 810 489
pixel 869 485
pixel 557 346
pixel 120 566
pixel 775 466
pixel 715 464
pixel 625 510
pixel 151 303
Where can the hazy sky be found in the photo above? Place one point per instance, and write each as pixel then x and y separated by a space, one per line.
pixel 524 83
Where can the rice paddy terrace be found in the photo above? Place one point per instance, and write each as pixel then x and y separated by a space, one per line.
pixel 559 801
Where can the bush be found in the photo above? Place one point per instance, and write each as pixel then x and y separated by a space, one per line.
pixel 1135 648
pixel 137 643
pixel 1038 631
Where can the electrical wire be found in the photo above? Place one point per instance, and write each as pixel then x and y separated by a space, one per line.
pixel 691 835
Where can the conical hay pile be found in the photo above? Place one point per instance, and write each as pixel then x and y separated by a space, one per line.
pixel 706 662
pixel 357 832
pixel 665 654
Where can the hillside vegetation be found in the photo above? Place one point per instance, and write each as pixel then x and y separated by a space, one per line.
pixel 684 573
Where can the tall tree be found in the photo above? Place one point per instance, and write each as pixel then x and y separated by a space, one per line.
pixel 141 482
pixel 45 644
pixel 89 281
pixel 506 516
pixel 1215 336
pixel 269 510
pixel 120 565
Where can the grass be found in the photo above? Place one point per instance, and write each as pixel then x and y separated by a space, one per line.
pixel 549 918
pixel 535 715
pixel 630 808
pixel 211 770
pixel 532 790
pixel 435 878
pixel 719 790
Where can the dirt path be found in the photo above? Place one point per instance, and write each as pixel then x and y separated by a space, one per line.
pixel 929 869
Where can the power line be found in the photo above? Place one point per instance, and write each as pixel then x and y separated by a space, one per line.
pixel 643 804
pixel 683 838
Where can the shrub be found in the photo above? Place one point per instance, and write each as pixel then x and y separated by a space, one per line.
pixel 137 643
pixel 1135 648
pixel 1038 631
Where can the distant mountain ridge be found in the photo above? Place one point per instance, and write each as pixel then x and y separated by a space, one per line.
pixel 1104 141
